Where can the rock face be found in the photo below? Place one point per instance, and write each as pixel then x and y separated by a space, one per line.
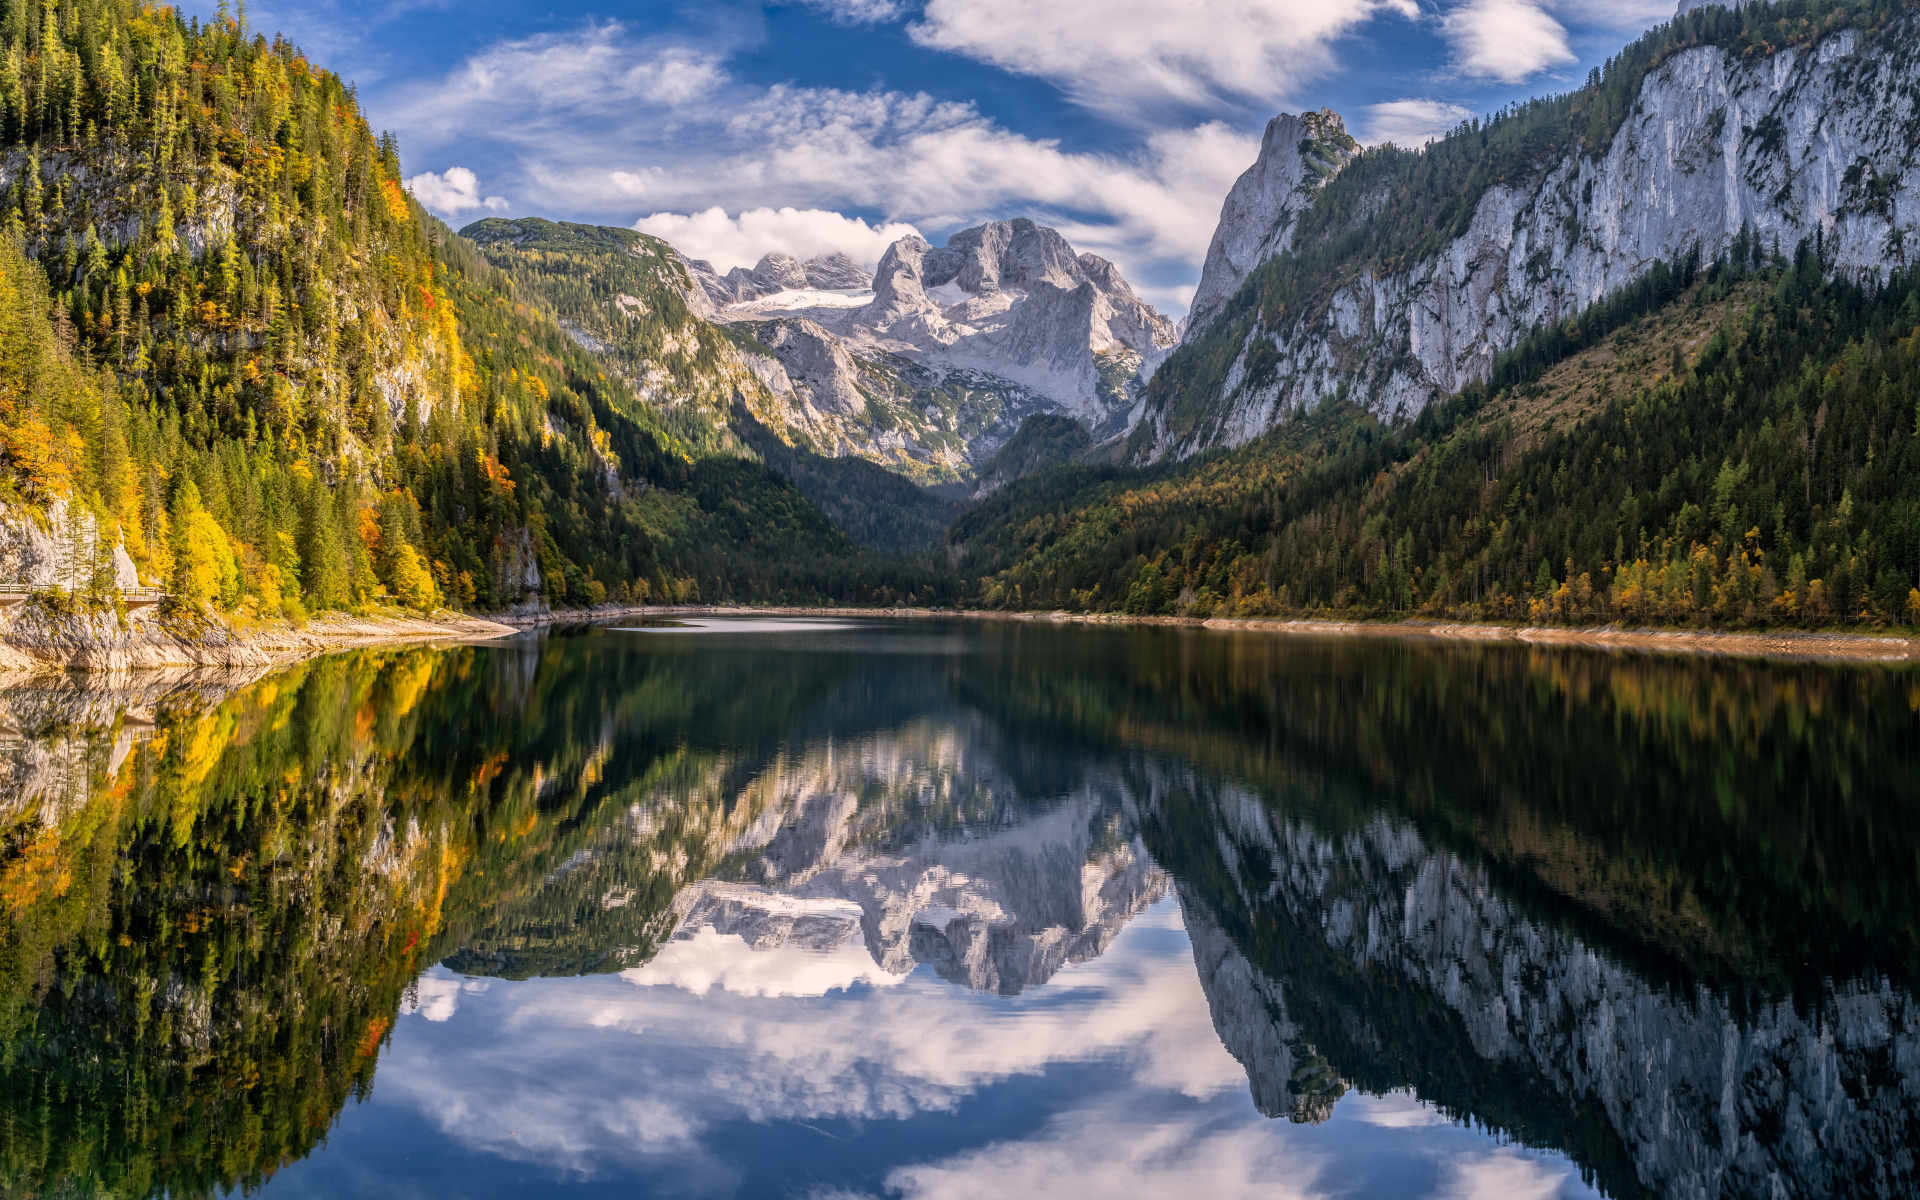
pixel 1284 1074
pixel 814 359
pixel 1297 155
pixel 1013 299
pixel 1807 142
pixel 836 272
pixel 953 346
pixel 774 273
pixel 61 549
pixel 1706 1095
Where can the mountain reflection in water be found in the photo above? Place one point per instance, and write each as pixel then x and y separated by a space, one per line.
pixel 913 908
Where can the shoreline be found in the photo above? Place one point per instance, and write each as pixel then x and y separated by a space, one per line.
pixel 283 645
pixel 1797 645
pixel 96 644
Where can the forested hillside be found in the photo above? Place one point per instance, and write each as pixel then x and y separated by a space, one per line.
pixel 622 295
pixel 1768 474
pixel 236 340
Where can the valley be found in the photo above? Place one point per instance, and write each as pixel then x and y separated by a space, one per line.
pixel 1637 354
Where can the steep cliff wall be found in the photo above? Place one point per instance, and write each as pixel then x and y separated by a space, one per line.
pixel 1811 141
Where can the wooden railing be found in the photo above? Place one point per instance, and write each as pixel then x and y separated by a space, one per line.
pixel 133 597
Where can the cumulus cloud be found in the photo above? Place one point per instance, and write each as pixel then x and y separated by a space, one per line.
pixel 1507 40
pixel 1630 15
pixel 740 241
pixel 1411 124
pixel 452 192
pixel 1504 1174
pixel 711 959
pixel 595 1072
pixel 1113 1151
pixel 1129 56
pixel 599 70
pixel 437 997
pixel 859 12
pixel 637 144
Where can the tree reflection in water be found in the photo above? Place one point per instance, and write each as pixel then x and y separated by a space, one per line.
pixel 1657 914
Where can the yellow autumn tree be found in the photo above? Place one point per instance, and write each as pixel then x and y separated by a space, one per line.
pixel 412 582
pixel 204 568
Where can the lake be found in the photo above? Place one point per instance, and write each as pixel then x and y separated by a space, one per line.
pixel 920 908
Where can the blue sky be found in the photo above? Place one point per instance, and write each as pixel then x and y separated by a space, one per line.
pixel 735 127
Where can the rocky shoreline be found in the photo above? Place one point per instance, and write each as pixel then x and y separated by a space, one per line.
pixel 34 639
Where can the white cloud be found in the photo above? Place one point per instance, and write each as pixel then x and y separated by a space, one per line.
pixel 740 241
pixel 452 192
pixel 593 1072
pixel 1127 56
pixel 437 997
pixel 1110 1151
pixel 1394 1110
pixel 710 959
pixel 599 69
pixel 1504 1174
pixel 1629 15
pixel 1411 124
pixel 859 12
pixel 636 144
pixel 596 1077
pixel 1507 40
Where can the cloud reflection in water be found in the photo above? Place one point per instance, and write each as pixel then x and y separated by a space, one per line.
pixel 722 1070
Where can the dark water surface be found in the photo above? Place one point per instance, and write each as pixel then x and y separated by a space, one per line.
pixel 870 908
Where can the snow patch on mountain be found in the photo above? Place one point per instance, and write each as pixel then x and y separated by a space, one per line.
pixel 944 350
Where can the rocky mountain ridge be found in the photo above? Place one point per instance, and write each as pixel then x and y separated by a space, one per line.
pixel 938 356
pixel 1806 141
pixel 926 368
pixel 1297 155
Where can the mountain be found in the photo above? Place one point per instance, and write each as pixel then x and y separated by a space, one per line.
pixel 925 369
pixel 946 350
pixel 244 365
pixel 1297 155
pixel 1637 353
pixel 1410 272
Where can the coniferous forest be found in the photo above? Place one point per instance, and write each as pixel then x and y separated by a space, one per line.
pixel 1772 477
pixel 233 337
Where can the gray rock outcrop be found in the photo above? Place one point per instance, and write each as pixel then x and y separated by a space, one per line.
pixel 999 909
pixel 774 273
pixel 1014 300
pixel 836 272
pixel 1297 155
pixel 955 346
pixel 1807 142
pixel 61 549
pixel 816 364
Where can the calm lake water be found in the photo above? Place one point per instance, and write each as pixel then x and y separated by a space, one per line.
pixel 922 909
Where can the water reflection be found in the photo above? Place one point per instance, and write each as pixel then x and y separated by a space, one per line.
pixel 906 908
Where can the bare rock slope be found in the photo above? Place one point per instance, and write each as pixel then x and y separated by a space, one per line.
pixel 944 350
pixel 1811 141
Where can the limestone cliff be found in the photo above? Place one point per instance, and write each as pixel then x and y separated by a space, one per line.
pixel 1810 142
pixel 1297 155
pixel 945 350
